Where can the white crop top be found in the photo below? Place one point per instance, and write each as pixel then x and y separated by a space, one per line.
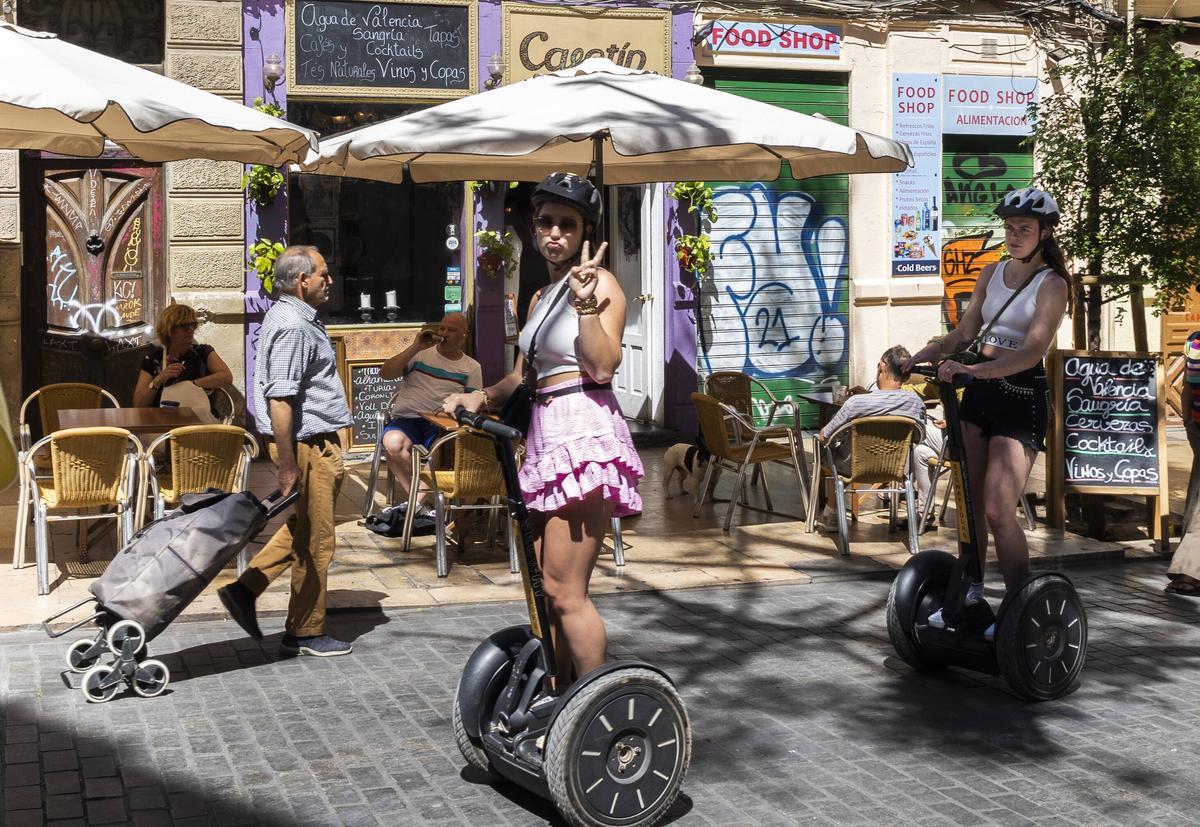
pixel 1009 331
pixel 558 337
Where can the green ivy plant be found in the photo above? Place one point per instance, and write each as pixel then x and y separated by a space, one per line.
pixel 496 253
pixel 693 251
pixel 261 257
pixel 262 183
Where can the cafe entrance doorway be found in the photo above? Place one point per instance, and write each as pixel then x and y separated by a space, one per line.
pixel 93 279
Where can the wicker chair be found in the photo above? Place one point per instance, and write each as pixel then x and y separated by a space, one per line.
pixel 736 390
pixel 89 468
pixel 476 475
pixel 202 457
pixel 720 425
pixel 880 448
pixel 49 399
pixel 222 402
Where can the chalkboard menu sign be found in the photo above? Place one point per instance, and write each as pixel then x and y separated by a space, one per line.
pixel 368 395
pixel 1111 422
pixel 348 48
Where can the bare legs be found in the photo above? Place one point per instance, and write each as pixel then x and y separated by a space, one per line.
pixel 568 547
pixel 397 449
pixel 998 468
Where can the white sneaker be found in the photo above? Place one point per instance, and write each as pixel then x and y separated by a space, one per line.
pixel 828 520
pixel 935 620
pixel 990 634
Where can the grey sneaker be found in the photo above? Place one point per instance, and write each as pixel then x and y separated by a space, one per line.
pixel 319 646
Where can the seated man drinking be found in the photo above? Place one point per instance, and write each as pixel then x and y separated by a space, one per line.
pixel 888 399
pixel 433 366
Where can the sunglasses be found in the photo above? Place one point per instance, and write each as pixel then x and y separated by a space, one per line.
pixel 545 223
pixel 187 326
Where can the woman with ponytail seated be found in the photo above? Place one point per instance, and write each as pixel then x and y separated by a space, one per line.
pixel 1014 315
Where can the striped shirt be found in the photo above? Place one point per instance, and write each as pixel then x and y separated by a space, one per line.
pixel 429 378
pixel 296 361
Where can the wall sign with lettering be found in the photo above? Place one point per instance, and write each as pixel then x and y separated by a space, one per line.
pixel 543 39
pixel 988 105
pixel 762 38
pixel 350 48
pixel 916 241
pixel 1108 432
pixel 368 395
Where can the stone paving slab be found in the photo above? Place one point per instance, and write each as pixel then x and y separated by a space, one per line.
pixel 801 715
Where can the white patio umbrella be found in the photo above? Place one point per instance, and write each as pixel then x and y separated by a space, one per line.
pixel 638 126
pixel 62 98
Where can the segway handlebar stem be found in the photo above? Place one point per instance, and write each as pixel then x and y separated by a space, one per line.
pixel 486 424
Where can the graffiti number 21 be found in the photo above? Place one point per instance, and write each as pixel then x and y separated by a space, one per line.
pixel 773 325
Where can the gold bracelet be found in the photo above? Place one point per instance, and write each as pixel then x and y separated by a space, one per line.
pixel 487 400
pixel 586 307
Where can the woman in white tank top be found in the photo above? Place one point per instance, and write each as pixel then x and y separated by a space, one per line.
pixel 1004 410
pixel 580 465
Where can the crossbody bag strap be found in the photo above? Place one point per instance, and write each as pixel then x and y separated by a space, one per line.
pixel 533 339
pixel 978 341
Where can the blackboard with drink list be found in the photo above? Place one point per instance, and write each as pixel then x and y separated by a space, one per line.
pixel 348 48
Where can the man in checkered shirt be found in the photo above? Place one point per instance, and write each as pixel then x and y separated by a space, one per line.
pixel 299 401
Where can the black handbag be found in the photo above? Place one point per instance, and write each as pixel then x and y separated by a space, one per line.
pixel 518 408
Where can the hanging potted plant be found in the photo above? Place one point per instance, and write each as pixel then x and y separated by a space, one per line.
pixel 693 251
pixel 262 183
pixel 261 257
pixel 496 252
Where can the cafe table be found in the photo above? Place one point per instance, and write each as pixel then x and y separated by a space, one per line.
pixel 140 421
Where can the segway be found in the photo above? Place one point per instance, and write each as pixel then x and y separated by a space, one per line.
pixel 611 750
pixel 1040 640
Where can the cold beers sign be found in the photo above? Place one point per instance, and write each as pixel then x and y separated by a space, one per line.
pixel 916 240
pixel 543 39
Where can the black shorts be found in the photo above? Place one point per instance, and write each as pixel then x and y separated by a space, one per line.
pixel 1013 406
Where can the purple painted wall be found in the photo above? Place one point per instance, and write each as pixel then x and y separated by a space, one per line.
pixel 263 33
pixel 489 215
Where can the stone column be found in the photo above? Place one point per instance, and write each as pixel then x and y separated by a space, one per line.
pixel 205 232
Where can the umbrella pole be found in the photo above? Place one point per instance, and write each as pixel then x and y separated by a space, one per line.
pixel 598 174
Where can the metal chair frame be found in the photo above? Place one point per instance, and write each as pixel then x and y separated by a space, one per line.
pixel 942 466
pixel 25 445
pixel 722 448
pixel 124 514
pixel 888 483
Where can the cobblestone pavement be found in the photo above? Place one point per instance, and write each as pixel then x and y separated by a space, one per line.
pixel 800 712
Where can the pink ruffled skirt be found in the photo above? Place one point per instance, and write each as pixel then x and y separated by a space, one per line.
pixel 577 444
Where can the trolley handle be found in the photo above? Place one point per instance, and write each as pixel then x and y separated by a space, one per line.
pixel 961 380
pixel 486 424
pixel 274 504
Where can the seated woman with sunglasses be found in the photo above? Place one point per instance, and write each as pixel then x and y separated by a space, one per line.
pixel 181 358
pixel 580 464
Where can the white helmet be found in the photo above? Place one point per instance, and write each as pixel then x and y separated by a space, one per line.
pixel 1031 202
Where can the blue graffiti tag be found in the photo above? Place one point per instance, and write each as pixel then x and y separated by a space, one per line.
pixel 783 264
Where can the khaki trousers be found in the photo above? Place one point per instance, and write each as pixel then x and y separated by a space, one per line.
pixel 306 541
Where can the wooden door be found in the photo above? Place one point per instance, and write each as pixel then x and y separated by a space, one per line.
pixel 93 272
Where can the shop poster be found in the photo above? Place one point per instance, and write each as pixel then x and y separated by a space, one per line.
pixel 917 120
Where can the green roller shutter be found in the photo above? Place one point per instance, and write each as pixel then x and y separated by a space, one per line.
pixel 778 305
pixel 977 170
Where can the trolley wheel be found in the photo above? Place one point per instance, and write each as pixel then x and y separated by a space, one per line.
pixel 470 749
pixel 123 630
pixel 619 749
pixel 916 593
pixel 83 654
pixel 100 684
pixel 1041 639
pixel 150 678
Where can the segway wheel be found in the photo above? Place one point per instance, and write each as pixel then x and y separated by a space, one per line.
pixel 471 751
pixel 1041 639
pixel 151 678
pixel 619 749
pixel 916 593
pixel 80 657
pixel 126 629
pixel 97 685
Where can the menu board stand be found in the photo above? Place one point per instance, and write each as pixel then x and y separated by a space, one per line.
pixel 1107 431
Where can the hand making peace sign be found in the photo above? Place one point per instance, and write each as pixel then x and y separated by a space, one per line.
pixel 583 278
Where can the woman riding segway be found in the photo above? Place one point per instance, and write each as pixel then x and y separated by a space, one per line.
pixel 996 352
pixel 557 736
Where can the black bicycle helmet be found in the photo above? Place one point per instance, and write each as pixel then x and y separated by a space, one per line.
pixel 1032 202
pixel 568 188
